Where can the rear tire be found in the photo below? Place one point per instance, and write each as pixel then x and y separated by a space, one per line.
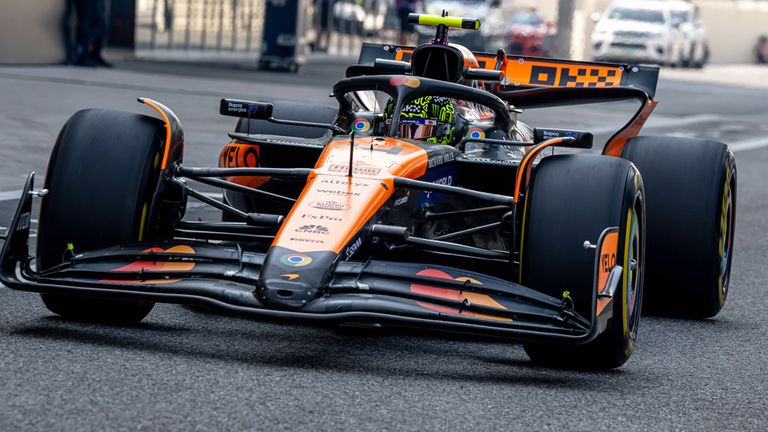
pixel 704 58
pixel 101 177
pixel 573 199
pixel 691 190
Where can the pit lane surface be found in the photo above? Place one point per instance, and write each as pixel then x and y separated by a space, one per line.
pixel 181 370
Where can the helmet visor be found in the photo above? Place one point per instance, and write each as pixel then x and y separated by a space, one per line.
pixel 419 129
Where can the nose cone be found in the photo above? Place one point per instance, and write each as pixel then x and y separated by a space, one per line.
pixel 286 294
pixel 292 279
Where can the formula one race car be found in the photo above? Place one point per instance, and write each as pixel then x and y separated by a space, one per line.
pixel 423 202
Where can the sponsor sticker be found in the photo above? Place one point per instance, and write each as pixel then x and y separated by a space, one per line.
pixel 320 217
pixel 239 155
pixel 328 205
pixel 405 81
pixel 338 192
pixel 295 260
pixel 476 133
pixel 356 169
pixel 344 182
pixel 353 248
pixel 361 125
pixel 306 240
pixel 441 159
pixel 234 107
pixel 550 134
pixel 313 229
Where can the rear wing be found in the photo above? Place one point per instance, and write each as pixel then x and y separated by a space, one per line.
pixel 521 72
pixel 530 82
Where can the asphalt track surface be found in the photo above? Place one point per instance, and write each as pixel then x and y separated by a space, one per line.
pixel 182 370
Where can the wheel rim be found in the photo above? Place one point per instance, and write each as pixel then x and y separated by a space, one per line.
pixel 633 266
pixel 725 239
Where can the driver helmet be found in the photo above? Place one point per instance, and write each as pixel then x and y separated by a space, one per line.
pixel 428 118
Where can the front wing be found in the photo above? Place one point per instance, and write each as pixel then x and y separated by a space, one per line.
pixel 366 293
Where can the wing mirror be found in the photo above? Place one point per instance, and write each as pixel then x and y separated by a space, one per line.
pixel 246 109
pixel 263 111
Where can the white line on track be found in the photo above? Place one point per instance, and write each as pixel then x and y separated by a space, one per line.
pixel 14 195
pixel 10 195
pixel 664 122
pixel 669 121
pixel 749 144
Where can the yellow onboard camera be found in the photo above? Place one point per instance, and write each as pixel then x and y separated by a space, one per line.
pixel 447 21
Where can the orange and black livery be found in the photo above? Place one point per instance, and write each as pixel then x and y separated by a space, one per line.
pixel 336 215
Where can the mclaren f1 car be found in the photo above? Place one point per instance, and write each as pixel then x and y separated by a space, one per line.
pixel 349 217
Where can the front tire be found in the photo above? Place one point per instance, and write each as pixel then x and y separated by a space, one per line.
pixel 101 177
pixel 573 199
pixel 704 58
pixel 691 192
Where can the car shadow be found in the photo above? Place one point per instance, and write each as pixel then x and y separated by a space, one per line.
pixel 254 344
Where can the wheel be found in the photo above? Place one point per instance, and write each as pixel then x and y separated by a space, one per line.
pixel 101 176
pixel 573 199
pixel 687 59
pixel 693 63
pixel 691 191
pixel 704 58
pixel 675 58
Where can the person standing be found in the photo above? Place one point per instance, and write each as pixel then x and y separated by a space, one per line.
pixel 91 32
pixel 760 51
pixel 405 7
pixel 322 18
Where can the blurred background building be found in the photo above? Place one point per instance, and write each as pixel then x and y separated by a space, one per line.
pixel 37 32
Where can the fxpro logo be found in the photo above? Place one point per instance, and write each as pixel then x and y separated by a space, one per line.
pixel 320 217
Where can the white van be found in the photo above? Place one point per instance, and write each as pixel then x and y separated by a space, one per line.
pixel 638 32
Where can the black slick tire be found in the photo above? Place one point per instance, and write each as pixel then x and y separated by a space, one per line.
pixel 691 194
pixel 573 199
pixel 101 176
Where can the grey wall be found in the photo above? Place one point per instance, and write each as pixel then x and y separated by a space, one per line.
pixel 31 31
